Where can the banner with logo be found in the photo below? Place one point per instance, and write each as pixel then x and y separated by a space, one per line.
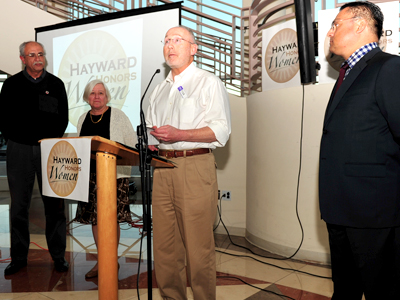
pixel 106 54
pixel 66 168
pixel 330 63
pixel 280 59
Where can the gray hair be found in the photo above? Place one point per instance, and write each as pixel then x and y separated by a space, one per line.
pixel 190 31
pixel 89 88
pixel 23 45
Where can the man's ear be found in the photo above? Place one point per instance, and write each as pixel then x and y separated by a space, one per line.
pixel 22 59
pixel 193 49
pixel 361 25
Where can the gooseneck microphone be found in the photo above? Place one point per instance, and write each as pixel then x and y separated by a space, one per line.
pixel 144 94
pixel 145 174
pixel 142 118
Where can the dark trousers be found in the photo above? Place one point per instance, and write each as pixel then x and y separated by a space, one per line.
pixel 23 164
pixel 365 261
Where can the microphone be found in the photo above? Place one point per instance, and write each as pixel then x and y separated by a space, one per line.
pixel 141 101
pixel 142 118
pixel 144 165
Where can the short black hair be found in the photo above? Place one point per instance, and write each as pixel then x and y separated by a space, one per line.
pixel 368 11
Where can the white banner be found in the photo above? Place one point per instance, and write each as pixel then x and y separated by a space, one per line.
pixel 66 168
pixel 280 56
pixel 106 54
pixel 330 63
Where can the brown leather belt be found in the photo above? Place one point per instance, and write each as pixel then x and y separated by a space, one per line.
pixel 183 153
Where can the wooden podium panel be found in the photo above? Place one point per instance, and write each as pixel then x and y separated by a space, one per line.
pixel 108 155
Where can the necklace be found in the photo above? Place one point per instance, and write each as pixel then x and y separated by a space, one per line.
pixel 97 120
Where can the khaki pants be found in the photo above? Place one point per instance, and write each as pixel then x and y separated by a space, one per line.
pixel 184 210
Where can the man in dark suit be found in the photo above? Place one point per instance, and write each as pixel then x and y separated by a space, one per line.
pixel 359 178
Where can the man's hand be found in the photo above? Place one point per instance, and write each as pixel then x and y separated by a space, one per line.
pixel 152 148
pixel 166 134
pixel 170 134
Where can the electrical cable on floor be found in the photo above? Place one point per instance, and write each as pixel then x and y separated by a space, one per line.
pixel 5 260
pixel 298 218
pixel 9 258
pixel 256 287
pixel 299 174
pixel 260 261
pixel 297 199
pixel 39 246
pixel 138 223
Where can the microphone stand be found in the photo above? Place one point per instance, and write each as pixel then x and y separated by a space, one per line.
pixel 145 167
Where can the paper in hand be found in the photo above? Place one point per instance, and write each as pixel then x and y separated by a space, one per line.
pixel 151 139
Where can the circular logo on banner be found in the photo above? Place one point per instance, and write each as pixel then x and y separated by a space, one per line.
pixel 282 56
pixel 95 55
pixel 62 168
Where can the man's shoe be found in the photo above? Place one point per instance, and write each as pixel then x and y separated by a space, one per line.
pixel 61 264
pixel 92 274
pixel 14 267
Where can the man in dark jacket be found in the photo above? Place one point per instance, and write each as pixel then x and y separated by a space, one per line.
pixel 359 182
pixel 34 106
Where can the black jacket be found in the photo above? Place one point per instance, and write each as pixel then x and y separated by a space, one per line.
pixel 33 111
pixel 359 176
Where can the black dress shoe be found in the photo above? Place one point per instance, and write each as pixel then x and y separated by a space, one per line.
pixel 61 264
pixel 14 267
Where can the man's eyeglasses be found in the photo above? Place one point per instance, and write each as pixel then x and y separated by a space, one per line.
pixel 40 54
pixel 335 23
pixel 175 41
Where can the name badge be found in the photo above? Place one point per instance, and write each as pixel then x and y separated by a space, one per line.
pixel 182 92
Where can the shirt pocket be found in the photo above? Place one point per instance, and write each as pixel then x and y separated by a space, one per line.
pixel 187 111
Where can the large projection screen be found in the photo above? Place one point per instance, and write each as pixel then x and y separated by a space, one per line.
pixel 122 49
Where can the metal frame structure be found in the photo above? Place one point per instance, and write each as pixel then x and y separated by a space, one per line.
pixel 229 44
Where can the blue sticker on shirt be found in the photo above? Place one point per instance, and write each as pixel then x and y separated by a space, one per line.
pixel 182 92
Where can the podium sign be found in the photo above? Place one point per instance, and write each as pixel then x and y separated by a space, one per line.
pixel 77 152
pixel 66 168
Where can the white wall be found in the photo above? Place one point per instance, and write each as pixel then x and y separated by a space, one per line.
pixel 273 156
pixel 19 21
pixel 231 172
pixel 260 166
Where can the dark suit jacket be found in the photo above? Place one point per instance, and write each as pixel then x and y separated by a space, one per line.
pixel 359 176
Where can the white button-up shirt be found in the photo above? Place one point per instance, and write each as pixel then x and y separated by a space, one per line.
pixel 196 99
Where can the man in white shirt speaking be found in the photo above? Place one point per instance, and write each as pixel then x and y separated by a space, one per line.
pixel 189 115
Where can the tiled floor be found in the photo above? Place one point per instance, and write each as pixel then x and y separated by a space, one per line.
pixel 240 275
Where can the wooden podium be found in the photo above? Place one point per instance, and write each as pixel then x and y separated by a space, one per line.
pixel 109 154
